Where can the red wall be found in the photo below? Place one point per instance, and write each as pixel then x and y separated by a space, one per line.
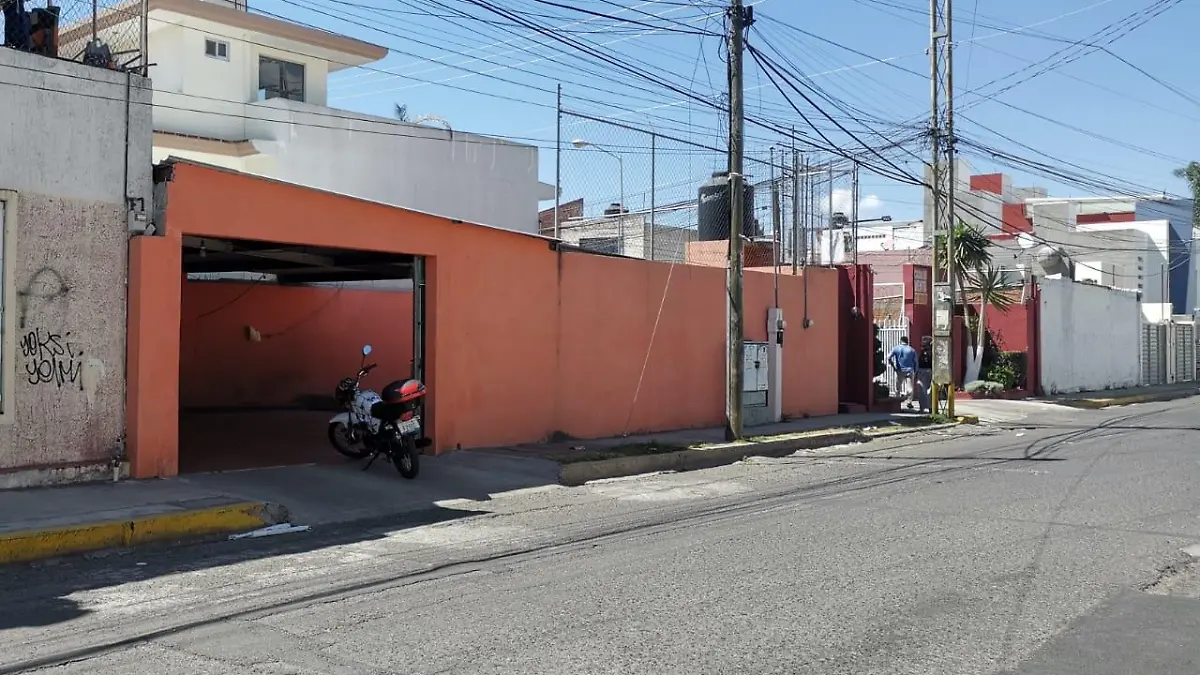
pixel 856 334
pixel 1015 330
pixel 311 338
pixel 1010 329
pixel 1120 217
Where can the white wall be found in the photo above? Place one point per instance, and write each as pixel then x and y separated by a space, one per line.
pixel 66 137
pixel 634 230
pixel 63 130
pixel 1090 337
pixel 889 237
pixel 461 176
pixel 457 175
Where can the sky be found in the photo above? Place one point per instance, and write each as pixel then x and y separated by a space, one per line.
pixel 1122 124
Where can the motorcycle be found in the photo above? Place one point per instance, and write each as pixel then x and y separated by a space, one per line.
pixel 384 424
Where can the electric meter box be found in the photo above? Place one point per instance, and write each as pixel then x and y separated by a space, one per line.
pixel 757 374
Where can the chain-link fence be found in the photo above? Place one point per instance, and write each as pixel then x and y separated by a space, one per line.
pixel 102 33
pixel 646 194
pixel 633 192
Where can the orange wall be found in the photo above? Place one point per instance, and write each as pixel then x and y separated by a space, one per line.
pixel 311 338
pixel 151 390
pixel 522 340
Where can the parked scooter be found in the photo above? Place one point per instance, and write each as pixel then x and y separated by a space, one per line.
pixel 374 425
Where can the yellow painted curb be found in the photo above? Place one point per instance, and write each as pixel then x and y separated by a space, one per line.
pixel 53 542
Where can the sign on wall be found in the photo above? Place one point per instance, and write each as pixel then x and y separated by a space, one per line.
pixel 920 286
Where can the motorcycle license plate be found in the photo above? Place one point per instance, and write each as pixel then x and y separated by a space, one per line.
pixel 409 426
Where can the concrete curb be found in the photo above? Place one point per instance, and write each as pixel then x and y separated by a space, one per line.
pixel 890 432
pixel 1097 403
pixel 172 526
pixel 578 473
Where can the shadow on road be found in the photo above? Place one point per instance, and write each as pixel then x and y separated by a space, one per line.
pixel 38 594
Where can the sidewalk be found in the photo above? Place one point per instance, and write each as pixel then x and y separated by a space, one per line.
pixel 40 523
pixel 1126 396
pixel 560 450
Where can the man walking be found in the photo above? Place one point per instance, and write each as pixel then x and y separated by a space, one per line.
pixel 925 375
pixel 904 360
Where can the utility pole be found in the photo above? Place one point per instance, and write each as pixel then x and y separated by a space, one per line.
pixel 941 192
pixel 739 19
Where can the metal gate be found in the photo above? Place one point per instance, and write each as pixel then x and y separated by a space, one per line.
pixel 1185 351
pixel 1154 354
pixel 890 333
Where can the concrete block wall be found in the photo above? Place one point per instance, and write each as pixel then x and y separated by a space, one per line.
pixel 76 163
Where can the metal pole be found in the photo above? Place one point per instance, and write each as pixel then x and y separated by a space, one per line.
pixel 558 164
pixel 734 362
pixel 653 181
pixel 829 216
pixel 854 212
pixel 795 209
pixel 776 227
pixel 806 238
pixel 621 211
pixel 144 40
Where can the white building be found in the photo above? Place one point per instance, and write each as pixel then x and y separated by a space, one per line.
pixel 1143 244
pixel 836 246
pixel 248 92
pixel 631 235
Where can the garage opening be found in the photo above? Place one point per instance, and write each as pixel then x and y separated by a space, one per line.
pixel 267 330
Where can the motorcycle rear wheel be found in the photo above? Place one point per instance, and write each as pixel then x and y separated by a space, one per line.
pixel 338 438
pixel 407 460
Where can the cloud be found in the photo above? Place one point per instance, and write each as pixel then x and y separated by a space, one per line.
pixel 868 206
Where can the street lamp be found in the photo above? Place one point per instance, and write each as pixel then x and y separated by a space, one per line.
pixel 881 219
pixel 581 144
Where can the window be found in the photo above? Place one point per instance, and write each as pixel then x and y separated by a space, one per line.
pixel 216 49
pixel 280 79
pixel 8 328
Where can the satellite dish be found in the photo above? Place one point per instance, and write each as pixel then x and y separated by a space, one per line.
pixel 1025 240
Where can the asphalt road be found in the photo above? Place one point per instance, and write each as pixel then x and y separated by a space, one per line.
pixel 1054 543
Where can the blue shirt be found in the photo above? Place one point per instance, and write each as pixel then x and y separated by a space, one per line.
pixel 905 357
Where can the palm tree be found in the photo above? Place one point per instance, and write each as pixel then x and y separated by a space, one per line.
pixel 975 279
pixel 401 112
pixel 990 288
pixel 971 252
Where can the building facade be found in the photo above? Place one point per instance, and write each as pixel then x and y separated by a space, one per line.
pixel 248 92
pixel 74 182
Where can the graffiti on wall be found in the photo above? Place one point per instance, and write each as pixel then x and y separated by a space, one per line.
pixel 51 358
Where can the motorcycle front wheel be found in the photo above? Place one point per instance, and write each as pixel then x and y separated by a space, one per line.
pixel 407 460
pixel 339 438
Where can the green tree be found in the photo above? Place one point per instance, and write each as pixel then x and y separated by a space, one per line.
pixel 971 252
pixel 401 112
pixel 990 288
pixel 1191 174
pixel 976 280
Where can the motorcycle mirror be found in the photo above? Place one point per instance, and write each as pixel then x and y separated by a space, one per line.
pixel 366 349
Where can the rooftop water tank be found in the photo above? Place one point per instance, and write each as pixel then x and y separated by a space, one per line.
pixel 713 209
